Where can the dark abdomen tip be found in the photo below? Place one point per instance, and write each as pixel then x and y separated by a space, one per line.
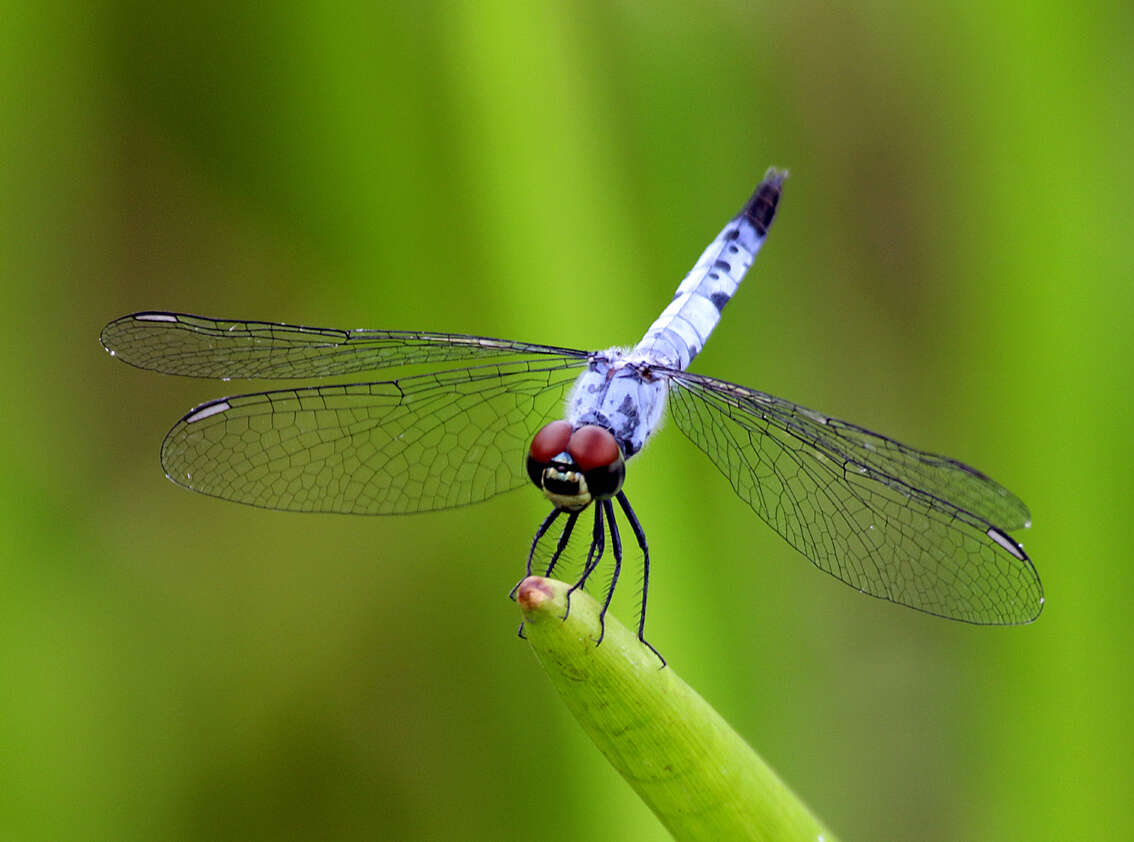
pixel 760 210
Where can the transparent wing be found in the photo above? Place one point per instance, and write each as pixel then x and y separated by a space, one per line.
pixel 912 527
pixel 196 346
pixel 415 444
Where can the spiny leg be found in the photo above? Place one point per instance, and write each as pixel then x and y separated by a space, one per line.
pixel 616 548
pixel 563 539
pixel 568 527
pixel 641 536
pixel 543 527
pixel 594 554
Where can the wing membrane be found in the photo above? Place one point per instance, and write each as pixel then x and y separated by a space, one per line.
pixel 912 527
pixel 196 346
pixel 415 444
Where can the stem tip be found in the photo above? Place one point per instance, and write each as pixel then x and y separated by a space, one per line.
pixel 533 592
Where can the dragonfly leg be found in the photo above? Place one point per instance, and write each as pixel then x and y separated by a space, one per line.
pixel 594 555
pixel 562 545
pixel 616 549
pixel 641 536
pixel 543 527
pixel 563 539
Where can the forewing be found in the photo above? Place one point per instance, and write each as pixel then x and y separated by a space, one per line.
pixel 912 527
pixel 415 444
pixel 196 346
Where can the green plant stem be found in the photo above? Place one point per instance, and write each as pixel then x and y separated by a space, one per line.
pixel 700 777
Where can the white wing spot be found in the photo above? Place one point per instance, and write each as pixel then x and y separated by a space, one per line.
pixel 155 317
pixel 1006 542
pixel 818 417
pixel 206 411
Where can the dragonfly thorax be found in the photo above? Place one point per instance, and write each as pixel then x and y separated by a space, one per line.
pixel 620 392
pixel 574 467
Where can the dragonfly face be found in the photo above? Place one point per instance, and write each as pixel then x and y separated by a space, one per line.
pixel 573 468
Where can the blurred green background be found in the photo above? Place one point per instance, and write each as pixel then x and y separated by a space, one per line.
pixel 952 265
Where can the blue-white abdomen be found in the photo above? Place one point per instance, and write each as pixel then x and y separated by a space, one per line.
pixel 680 332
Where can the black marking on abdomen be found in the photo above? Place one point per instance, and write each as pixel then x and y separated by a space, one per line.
pixel 719 300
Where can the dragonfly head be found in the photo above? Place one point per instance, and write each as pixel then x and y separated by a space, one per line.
pixel 575 467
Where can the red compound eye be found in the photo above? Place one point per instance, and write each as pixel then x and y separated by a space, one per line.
pixel 550 441
pixel 593 447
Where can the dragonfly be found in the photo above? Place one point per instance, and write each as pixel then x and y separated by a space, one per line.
pixel 489 415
